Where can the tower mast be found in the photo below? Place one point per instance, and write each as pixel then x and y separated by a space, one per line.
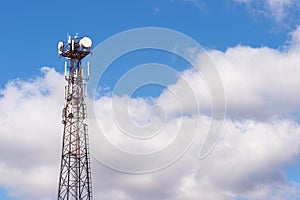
pixel 75 172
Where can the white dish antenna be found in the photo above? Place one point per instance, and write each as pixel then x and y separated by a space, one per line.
pixel 60 47
pixel 85 42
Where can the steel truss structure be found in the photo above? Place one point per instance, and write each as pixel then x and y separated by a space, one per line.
pixel 75 172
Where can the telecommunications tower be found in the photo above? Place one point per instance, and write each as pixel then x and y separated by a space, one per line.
pixel 75 172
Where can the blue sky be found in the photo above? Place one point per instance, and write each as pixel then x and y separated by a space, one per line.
pixel 30 31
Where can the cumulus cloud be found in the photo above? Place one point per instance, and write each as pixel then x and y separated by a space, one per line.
pixel 259 83
pixel 249 161
pixel 30 130
pixel 261 136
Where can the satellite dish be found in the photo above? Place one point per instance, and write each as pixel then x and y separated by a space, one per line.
pixel 60 47
pixel 85 42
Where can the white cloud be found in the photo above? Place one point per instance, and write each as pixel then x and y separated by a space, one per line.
pixel 259 83
pixel 295 40
pixel 261 137
pixel 198 3
pixel 248 161
pixel 30 118
pixel 276 9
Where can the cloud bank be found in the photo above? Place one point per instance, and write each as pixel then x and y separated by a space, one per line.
pixel 261 135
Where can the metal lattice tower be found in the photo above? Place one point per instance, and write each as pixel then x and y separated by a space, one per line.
pixel 75 173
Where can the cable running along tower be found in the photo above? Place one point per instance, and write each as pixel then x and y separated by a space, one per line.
pixel 75 172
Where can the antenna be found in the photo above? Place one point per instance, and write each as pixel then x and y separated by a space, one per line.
pixel 60 47
pixel 75 172
pixel 65 68
pixel 88 68
pixel 69 39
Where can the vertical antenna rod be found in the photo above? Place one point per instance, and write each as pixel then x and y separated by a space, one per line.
pixel 75 172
